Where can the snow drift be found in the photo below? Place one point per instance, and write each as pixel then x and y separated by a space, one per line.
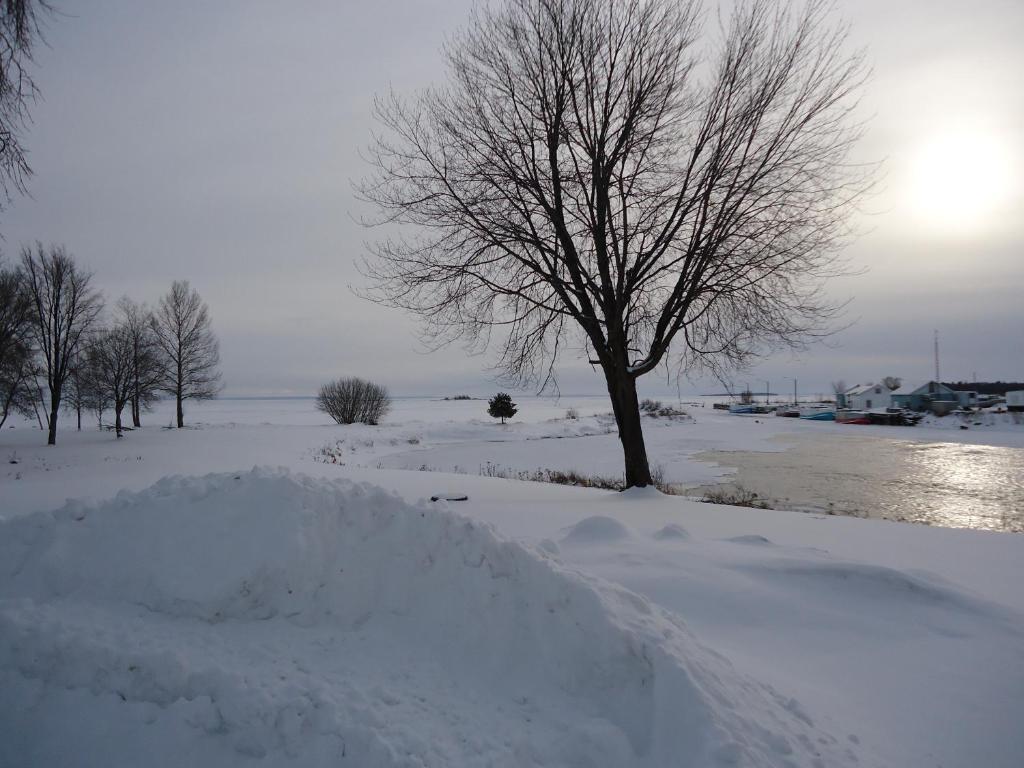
pixel 235 617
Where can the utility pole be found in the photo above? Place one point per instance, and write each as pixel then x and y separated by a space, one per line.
pixel 938 380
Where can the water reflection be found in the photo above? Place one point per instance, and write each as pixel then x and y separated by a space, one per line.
pixel 948 484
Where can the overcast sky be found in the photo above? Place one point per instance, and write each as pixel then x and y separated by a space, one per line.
pixel 216 142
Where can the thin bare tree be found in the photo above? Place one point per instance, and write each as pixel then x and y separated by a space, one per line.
pixel 15 313
pixel 64 308
pixel 78 390
pixel 22 392
pixel 110 361
pixel 19 32
pixel 189 352
pixel 594 173
pixel 147 373
pixel 15 340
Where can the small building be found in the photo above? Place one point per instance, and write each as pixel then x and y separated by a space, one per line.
pixel 866 397
pixel 932 396
pixel 1015 400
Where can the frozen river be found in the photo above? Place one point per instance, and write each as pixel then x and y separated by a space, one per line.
pixel 939 483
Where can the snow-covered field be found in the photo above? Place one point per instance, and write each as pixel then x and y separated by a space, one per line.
pixel 321 612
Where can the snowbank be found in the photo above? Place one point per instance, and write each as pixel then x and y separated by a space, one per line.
pixel 265 615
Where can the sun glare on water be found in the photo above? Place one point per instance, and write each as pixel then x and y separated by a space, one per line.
pixel 962 182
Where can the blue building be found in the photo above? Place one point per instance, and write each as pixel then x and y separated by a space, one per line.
pixel 932 396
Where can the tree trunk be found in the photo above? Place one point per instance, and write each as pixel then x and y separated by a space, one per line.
pixel 179 381
pixel 117 420
pixel 78 411
pixel 51 438
pixel 8 399
pixel 622 389
pixel 136 413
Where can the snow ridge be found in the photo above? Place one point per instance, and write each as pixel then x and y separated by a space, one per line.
pixel 263 614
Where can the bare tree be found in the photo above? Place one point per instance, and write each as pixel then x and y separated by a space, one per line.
pixel 147 373
pixel 77 391
pixel 15 341
pixel 64 308
pixel 19 31
pixel 15 314
pixel 110 356
pixel 839 389
pixel 892 382
pixel 590 167
pixel 22 393
pixel 188 348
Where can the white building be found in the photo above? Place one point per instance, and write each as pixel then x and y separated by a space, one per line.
pixel 868 397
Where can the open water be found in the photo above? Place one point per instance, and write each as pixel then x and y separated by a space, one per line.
pixel 947 484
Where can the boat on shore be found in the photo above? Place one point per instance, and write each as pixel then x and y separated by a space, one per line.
pixel 749 408
pixel 849 416
pixel 817 413
pixel 890 417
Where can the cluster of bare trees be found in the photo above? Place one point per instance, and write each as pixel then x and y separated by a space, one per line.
pixel 61 349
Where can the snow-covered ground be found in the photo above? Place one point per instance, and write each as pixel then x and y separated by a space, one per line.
pixel 322 613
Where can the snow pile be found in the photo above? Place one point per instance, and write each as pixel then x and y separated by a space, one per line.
pixel 268 616
pixel 596 529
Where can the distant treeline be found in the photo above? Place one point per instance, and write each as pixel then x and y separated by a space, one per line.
pixel 985 387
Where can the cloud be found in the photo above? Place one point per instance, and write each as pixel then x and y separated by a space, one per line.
pixel 216 142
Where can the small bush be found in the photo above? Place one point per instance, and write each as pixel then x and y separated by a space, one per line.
pixel 650 406
pixel 668 412
pixel 735 497
pixel 572 414
pixel 352 400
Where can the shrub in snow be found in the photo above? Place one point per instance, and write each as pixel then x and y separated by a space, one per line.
pixel 501 407
pixel 572 414
pixel 352 400
pixel 650 406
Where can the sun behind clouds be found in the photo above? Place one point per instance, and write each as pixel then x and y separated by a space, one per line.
pixel 963 181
